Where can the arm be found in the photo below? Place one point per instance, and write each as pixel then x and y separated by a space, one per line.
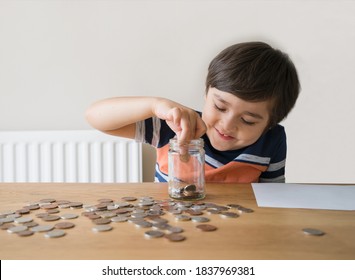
pixel 118 116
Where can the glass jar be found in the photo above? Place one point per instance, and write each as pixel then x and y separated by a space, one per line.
pixel 186 170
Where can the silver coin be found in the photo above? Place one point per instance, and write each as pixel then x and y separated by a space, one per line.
pixel 229 215
pixel 17 229
pixel 143 224
pixel 182 218
pixel 41 228
pixel 68 216
pixel 23 220
pixel 100 228
pixel 7 220
pixel 108 215
pixel 154 234
pixel 122 204
pixel 175 229
pixel 7 212
pixel 199 219
pixel 119 219
pixel 15 216
pixel 54 233
pixel 313 231
pixel 64 206
pixel 138 215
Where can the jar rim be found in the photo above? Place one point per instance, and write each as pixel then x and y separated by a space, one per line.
pixel 198 141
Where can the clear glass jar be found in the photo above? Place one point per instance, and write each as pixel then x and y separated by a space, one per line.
pixel 186 170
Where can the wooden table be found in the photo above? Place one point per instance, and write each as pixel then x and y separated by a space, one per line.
pixel 268 233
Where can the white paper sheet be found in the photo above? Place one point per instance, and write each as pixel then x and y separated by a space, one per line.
pixel 330 197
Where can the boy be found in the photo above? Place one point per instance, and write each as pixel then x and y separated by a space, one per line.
pixel 250 88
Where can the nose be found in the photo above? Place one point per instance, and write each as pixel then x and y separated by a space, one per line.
pixel 229 124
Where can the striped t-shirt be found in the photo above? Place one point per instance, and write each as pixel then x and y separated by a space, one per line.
pixel 263 161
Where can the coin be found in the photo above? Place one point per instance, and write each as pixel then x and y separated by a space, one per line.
pixel 129 198
pixel 47 200
pixel 182 218
pixel 154 233
pixel 74 205
pixel 16 229
pixel 6 226
pixel 41 228
pixel 101 221
pixel 199 219
pixel 100 228
pixel 68 216
pixel 25 233
pixel 64 225
pixel 206 227
pixel 54 233
pixel 175 229
pixel 119 219
pixel 23 220
pixel 23 211
pixel 50 218
pixel 313 231
pixel 30 224
pixel 175 237
pixel 49 206
pixel 226 214
pixel 7 220
pixel 143 224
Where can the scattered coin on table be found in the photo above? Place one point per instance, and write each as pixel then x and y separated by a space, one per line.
pixel 144 212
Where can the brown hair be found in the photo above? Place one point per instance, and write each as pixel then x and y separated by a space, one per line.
pixel 254 71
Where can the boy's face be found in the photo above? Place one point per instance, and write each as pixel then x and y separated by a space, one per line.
pixel 233 123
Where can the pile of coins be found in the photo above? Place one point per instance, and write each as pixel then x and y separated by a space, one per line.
pixel 143 212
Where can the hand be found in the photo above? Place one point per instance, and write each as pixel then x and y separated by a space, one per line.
pixel 184 121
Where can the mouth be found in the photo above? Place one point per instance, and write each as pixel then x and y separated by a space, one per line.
pixel 224 136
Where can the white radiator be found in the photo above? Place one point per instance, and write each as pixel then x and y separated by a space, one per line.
pixel 68 156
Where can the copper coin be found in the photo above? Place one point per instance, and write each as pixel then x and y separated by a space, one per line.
pixel 23 211
pixel 41 215
pixel 50 206
pixel 75 204
pixel 105 200
pixel 175 237
pixel 194 212
pixel 129 198
pixel 6 226
pixel 52 211
pixel 101 221
pixel 64 225
pixel 154 234
pixel 205 227
pixel 32 207
pixel 50 218
pixel 30 224
pixel 47 200
pixel 25 233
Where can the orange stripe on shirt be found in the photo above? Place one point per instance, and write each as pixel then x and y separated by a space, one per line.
pixel 232 172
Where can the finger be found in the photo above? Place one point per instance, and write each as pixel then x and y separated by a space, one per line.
pixel 201 128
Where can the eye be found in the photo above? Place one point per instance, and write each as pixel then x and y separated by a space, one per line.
pixel 219 108
pixel 247 122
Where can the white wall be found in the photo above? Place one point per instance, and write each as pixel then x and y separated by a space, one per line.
pixel 57 57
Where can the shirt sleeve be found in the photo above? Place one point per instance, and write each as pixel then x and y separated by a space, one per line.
pixel 153 131
pixel 276 169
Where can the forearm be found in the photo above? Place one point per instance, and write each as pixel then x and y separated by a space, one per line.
pixel 118 112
